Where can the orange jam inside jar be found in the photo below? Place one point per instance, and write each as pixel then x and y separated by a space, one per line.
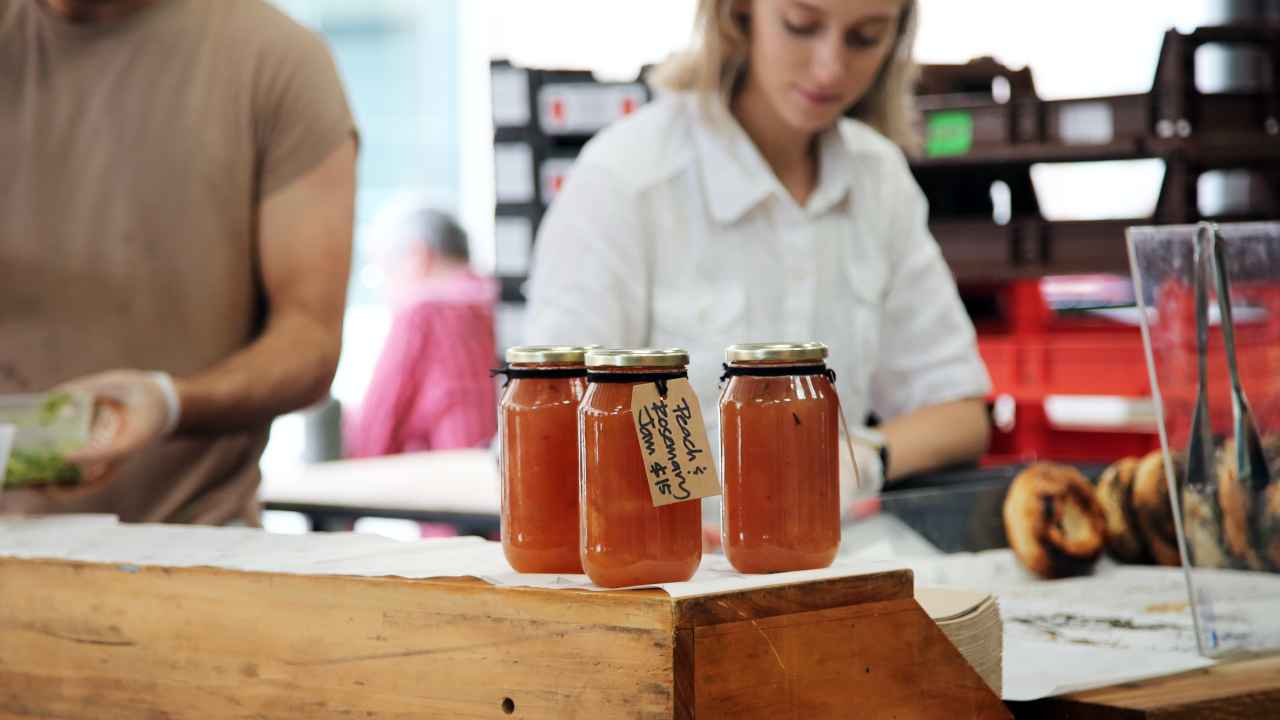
pixel 538 426
pixel 625 539
pixel 779 429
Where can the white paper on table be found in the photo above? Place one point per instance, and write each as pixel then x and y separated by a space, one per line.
pixel 55 535
pixel 54 523
pixel 1077 634
pixel 989 571
pixel 1123 608
pixel 101 540
pixel 1121 624
pixel 1238 609
pixel 1034 670
pixel 343 554
pixel 884 537
pixel 714 576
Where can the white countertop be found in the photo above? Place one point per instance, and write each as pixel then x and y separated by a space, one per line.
pixel 451 481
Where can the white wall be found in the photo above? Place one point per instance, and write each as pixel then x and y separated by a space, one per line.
pixel 1075 49
pixel 613 37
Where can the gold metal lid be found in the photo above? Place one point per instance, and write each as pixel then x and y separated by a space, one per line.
pixel 639 357
pixel 539 354
pixel 784 352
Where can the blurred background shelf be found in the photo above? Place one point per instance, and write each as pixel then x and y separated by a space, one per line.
pixel 988 140
pixel 992 144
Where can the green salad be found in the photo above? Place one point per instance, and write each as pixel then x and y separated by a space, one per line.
pixel 39 467
pixel 48 427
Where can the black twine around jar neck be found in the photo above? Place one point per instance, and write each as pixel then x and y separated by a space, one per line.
pixel 777 371
pixel 660 379
pixel 535 373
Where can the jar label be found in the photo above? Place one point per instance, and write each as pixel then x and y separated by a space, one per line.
pixel 673 443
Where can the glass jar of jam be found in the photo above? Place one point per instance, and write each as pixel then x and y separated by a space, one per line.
pixel 779 435
pixel 538 427
pixel 625 539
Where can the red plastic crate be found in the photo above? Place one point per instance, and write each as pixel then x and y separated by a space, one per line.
pixel 1033 353
pixel 1032 437
pixel 1074 364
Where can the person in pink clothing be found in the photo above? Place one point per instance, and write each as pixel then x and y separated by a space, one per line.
pixel 431 389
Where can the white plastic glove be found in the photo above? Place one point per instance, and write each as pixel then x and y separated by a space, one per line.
pixel 132 409
pixel 863 482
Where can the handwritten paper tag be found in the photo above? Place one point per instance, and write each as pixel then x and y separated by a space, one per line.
pixel 673 443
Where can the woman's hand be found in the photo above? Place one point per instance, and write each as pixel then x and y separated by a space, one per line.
pixel 937 436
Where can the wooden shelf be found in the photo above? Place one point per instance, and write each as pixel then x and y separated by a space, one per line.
pixel 1032 153
pixel 1191 131
pixel 981 251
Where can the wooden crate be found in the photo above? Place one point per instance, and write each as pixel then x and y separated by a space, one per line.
pixel 107 641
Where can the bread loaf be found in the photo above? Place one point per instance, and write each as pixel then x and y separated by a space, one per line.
pixel 1250 514
pixel 1053 521
pixel 1153 510
pixel 1203 527
pixel 1124 540
pixel 1269 526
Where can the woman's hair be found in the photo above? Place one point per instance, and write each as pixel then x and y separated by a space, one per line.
pixel 717 61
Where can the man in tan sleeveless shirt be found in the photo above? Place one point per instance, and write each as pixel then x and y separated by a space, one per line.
pixel 176 192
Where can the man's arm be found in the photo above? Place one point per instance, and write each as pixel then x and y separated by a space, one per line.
pixel 304 248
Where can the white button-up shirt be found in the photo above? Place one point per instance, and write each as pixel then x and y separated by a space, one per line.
pixel 672 231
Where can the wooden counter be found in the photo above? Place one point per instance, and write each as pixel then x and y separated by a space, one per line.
pixel 106 641
pixel 1234 691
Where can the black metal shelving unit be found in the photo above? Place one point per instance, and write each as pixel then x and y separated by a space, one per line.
pixel 542 119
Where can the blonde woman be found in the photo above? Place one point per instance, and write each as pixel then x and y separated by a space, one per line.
pixel 765 196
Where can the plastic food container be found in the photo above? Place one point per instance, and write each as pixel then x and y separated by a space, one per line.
pixel 46 428
pixel 6 444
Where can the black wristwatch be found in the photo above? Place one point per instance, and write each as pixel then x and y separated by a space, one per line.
pixel 873 437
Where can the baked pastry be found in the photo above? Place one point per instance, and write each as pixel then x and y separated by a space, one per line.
pixel 1269 512
pixel 1201 519
pixel 1202 526
pixel 1238 504
pixel 1124 540
pixel 1053 521
pixel 1251 515
pixel 1269 525
pixel 1153 510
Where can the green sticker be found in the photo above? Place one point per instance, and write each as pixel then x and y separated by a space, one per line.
pixel 948 133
